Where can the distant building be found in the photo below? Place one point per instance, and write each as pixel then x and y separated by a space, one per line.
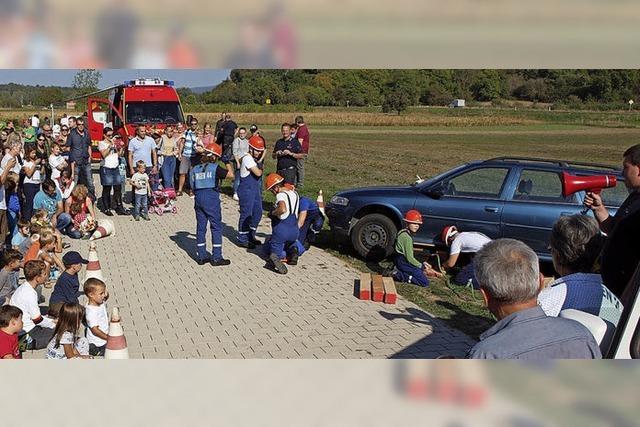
pixel 457 103
pixel 71 105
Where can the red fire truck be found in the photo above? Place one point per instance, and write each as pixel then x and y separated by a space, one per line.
pixel 151 102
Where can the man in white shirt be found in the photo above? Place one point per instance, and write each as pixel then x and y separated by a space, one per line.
pixel 40 328
pixel 463 246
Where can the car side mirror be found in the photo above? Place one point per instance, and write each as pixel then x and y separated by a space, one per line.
pixel 435 192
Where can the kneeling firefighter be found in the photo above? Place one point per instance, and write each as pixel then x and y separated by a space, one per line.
pixel 284 223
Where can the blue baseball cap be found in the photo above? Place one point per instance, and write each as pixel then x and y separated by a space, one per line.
pixel 73 257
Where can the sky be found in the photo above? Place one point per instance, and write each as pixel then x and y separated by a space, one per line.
pixel 182 78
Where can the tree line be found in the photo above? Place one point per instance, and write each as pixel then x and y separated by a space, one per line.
pixel 393 89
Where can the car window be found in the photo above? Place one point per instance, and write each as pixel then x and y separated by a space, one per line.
pixel 541 186
pixel 615 196
pixel 483 182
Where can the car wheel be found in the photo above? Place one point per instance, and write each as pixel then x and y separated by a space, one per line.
pixel 373 236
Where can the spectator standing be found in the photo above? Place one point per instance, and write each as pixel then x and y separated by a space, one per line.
pixel 13 202
pixel 57 163
pixel 187 152
pixel 169 151
pixel 229 128
pixel 13 153
pixel 287 151
pixel 218 130
pixel 142 148
pixel 142 190
pixel 240 148
pixel 619 260
pixel 79 144
pixel 34 172
pixel 510 280
pixel 111 148
pixel 303 136
pixel 96 315
pixel 5 168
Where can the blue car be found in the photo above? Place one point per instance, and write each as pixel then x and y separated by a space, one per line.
pixel 514 197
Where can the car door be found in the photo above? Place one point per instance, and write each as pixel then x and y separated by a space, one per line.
pixel 534 204
pixel 472 200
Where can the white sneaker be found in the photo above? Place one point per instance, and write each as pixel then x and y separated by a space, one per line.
pixel 235 197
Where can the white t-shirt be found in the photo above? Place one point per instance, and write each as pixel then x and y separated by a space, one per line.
pixel 96 315
pixel 16 168
pixel 468 242
pixel 64 121
pixel 294 206
pixel 54 352
pixel 141 180
pixel 35 122
pixel 246 164
pixel 111 161
pixel 36 178
pixel 26 299
pixel 56 163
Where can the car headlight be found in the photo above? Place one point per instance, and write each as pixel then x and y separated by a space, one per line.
pixel 340 201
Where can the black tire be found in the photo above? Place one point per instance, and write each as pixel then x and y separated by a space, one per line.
pixel 373 236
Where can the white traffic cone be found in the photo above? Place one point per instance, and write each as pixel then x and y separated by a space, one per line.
pixel 116 342
pixel 105 228
pixel 93 269
pixel 320 202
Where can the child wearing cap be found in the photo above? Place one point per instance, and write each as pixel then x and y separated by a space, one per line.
pixel 407 268
pixel 67 287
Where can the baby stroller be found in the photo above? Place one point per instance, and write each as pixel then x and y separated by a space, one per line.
pixel 164 201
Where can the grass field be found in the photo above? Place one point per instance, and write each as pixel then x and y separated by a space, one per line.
pixel 358 147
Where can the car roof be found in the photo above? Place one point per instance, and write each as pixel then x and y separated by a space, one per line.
pixel 551 164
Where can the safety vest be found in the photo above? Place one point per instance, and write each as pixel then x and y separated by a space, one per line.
pixel 204 176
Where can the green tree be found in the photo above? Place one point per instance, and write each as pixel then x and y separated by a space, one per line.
pixel 86 80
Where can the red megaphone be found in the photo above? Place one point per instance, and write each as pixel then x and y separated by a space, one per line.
pixel 595 183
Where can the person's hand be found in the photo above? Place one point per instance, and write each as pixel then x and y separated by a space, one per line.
pixel 286 153
pixel 154 170
pixel 11 163
pixel 593 200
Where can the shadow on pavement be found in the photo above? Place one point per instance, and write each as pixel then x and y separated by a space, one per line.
pixel 187 242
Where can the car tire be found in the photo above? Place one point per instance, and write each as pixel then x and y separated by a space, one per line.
pixel 373 236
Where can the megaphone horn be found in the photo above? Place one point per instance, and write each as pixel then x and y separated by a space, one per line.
pixel 594 183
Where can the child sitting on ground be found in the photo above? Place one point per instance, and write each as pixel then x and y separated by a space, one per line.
pixel 10 325
pixel 67 289
pixel 22 234
pixel 408 268
pixel 11 263
pixel 142 191
pixel 47 254
pixel 96 316
pixel 66 342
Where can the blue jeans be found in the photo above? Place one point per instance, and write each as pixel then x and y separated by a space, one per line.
pixel 12 222
pixel 84 176
pixel 141 205
pixel 167 171
pixel 64 225
pixel 30 191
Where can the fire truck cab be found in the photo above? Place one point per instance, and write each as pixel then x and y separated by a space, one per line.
pixel 151 102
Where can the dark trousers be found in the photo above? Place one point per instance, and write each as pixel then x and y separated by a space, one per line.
pixel 30 191
pixel 288 174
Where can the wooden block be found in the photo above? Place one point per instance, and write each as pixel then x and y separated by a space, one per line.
pixel 378 288
pixel 364 292
pixel 390 294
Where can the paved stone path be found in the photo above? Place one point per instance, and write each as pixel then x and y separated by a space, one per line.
pixel 173 308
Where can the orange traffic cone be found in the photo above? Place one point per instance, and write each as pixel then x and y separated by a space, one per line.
pixel 320 202
pixel 93 268
pixel 105 228
pixel 116 342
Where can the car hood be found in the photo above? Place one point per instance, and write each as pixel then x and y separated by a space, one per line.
pixel 389 190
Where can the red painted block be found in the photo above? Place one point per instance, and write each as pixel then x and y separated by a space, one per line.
pixel 378 288
pixel 390 294
pixel 364 292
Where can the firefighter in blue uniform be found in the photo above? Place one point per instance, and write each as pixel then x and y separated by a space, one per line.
pixel 204 179
pixel 284 223
pixel 310 221
pixel 250 194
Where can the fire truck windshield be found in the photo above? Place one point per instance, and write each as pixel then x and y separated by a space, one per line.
pixel 153 112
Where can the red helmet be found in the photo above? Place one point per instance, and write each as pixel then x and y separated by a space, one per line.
pixel 413 217
pixel 448 232
pixel 213 148
pixel 273 179
pixel 256 142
